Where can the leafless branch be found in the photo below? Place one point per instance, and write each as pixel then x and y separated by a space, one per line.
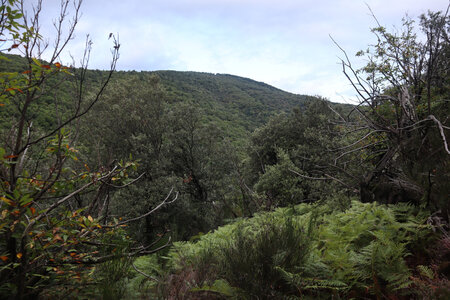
pixel 164 202
pixel 78 114
pixel 144 274
pixel 358 141
pixel 441 131
pixel 327 177
pixel 140 252
pixel 308 177
pixel 357 149
pixel 338 114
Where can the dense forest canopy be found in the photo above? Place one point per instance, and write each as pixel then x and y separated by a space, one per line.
pixel 185 185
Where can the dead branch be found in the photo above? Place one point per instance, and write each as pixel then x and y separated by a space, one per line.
pixel 164 202
pixel 144 274
pixel 441 131
pixel 357 149
pixel 338 114
pixel 327 177
pixel 358 141
pixel 106 258
pixel 308 177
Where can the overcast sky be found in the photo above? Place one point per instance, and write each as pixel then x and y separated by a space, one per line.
pixel 284 43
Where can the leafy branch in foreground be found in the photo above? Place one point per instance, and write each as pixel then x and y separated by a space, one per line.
pixel 54 210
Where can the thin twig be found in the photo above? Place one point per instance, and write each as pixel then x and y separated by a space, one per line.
pixel 144 274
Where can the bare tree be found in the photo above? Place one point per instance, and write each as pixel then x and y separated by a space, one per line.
pixel 401 121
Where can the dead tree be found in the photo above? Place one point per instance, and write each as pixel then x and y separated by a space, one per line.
pixel 401 121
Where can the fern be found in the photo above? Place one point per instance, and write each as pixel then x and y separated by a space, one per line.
pixel 312 248
pixel 222 287
pixel 301 282
pixel 425 271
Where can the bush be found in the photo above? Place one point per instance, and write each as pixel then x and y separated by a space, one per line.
pixel 305 251
pixel 249 260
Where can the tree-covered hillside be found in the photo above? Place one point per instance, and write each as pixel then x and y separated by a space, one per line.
pixel 232 99
pixel 184 185
pixel 237 105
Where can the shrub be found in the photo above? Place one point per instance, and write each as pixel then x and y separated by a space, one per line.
pixel 249 260
pixel 305 251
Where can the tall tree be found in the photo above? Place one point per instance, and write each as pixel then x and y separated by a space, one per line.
pixel 290 159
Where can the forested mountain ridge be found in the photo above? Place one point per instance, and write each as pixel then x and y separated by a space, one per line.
pixel 237 97
pixel 237 105
pixel 234 101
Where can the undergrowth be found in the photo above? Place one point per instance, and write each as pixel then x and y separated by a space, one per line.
pixel 308 252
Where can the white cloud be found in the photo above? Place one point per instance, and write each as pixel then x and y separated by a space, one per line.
pixel 281 42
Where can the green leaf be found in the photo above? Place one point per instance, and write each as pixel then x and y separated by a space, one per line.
pixel 2 154
pixel 25 200
pixel 37 62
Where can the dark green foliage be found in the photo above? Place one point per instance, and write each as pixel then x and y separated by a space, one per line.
pixel 111 278
pixel 249 260
pixel 143 280
pixel 58 95
pixel 235 102
pixel 306 284
pixel 280 186
pixel 291 158
pixel 237 105
pixel 128 120
pixel 175 148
